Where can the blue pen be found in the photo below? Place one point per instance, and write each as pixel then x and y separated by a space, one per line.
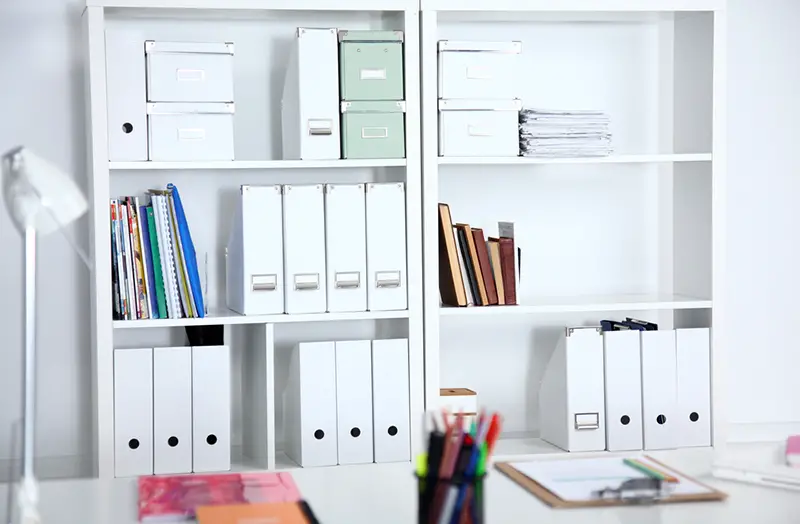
pixel 469 471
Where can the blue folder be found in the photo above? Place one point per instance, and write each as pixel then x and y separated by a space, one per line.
pixel 188 251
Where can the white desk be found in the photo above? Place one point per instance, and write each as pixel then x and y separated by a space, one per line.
pixel 385 494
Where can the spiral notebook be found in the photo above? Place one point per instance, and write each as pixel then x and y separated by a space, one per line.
pixel 166 248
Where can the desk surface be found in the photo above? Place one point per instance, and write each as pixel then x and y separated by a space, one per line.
pixel 385 494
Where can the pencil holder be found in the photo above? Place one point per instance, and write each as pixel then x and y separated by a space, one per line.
pixel 450 501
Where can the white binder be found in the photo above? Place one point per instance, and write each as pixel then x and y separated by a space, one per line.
pixel 572 396
pixel 311 405
pixel 172 410
pixel 623 383
pixel 390 400
pixel 133 412
pixel 254 256
pixel 354 401
pixel 386 247
pixel 211 408
pixel 346 247
pixel 310 103
pixel 659 390
pixel 127 100
pixel 693 414
pixel 304 249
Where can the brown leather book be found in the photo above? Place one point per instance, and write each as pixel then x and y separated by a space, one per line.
pixel 473 255
pixel 507 266
pixel 494 258
pixel 486 266
pixel 451 284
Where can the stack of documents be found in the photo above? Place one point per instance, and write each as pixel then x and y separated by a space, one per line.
pixel 554 133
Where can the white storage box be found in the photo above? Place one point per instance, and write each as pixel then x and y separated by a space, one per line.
pixel 190 132
pixel 189 72
pixel 478 69
pixel 479 127
pixel 310 103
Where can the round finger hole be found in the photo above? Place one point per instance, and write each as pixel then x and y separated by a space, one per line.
pixel 625 420
pixel 127 127
pixel 355 432
pixel 319 434
pixel 693 416
pixel 392 430
pixel 661 419
pixel 133 443
pixel 211 439
pixel 172 441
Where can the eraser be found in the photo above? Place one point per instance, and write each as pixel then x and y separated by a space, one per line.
pixel 793 451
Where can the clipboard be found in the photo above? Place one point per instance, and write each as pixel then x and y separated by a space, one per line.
pixel 554 501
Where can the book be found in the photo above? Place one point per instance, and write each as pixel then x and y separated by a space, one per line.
pixel 497 271
pixel 115 290
pixel 463 265
pixel 269 513
pixel 189 255
pixel 471 280
pixel 187 301
pixel 138 264
pixel 158 272
pixel 473 256
pixel 177 498
pixel 508 270
pixel 128 261
pixel 451 284
pixel 486 267
pixel 149 271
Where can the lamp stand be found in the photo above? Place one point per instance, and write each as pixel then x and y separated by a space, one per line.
pixel 28 490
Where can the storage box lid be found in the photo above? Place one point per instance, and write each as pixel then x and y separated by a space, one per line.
pixel 370 36
pixel 182 108
pixel 480 105
pixel 491 47
pixel 217 48
pixel 374 106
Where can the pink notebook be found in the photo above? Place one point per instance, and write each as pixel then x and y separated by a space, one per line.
pixel 793 451
pixel 176 498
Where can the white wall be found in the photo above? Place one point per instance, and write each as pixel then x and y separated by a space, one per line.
pixel 763 215
pixel 41 105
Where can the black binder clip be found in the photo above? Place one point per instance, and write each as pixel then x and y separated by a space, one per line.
pixel 646 326
pixel 636 491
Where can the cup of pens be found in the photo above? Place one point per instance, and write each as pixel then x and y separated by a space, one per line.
pixel 451 475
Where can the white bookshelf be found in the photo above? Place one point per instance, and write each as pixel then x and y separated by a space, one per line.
pixel 262 32
pixel 640 232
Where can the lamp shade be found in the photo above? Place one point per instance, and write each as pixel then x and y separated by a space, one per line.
pixel 39 194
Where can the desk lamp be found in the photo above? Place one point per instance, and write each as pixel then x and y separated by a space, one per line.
pixel 40 199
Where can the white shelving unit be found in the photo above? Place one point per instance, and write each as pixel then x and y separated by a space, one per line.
pixel 262 32
pixel 640 232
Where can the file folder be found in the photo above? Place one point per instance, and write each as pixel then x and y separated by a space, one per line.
pixel 386 247
pixel 254 257
pixel 304 249
pixel 390 400
pixel 659 390
pixel 310 103
pixel 172 410
pixel 346 247
pixel 127 100
pixel 623 387
pixel 311 405
pixel 211 408
pixel 694 386
pixel 572 396
pixel 354 401
pixel 133 412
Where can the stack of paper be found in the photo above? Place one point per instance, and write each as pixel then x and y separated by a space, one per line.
pixel 553 133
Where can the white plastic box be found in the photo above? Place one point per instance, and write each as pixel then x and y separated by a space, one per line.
pixel 190 131
pixel 189 71
pixel 479 127
pixel 478 69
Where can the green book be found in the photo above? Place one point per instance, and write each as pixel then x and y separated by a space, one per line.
pixel 160 296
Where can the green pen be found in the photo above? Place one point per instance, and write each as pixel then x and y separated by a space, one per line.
pixel 473 429
pixel 481 469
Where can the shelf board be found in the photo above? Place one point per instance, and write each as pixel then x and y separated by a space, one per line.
pixel 227 317
pixel 613 159
pixel 256 164
pixel 584 304
pixel 259 5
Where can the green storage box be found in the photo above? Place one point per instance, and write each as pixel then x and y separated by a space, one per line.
pixel 371 65
pixel 373 129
